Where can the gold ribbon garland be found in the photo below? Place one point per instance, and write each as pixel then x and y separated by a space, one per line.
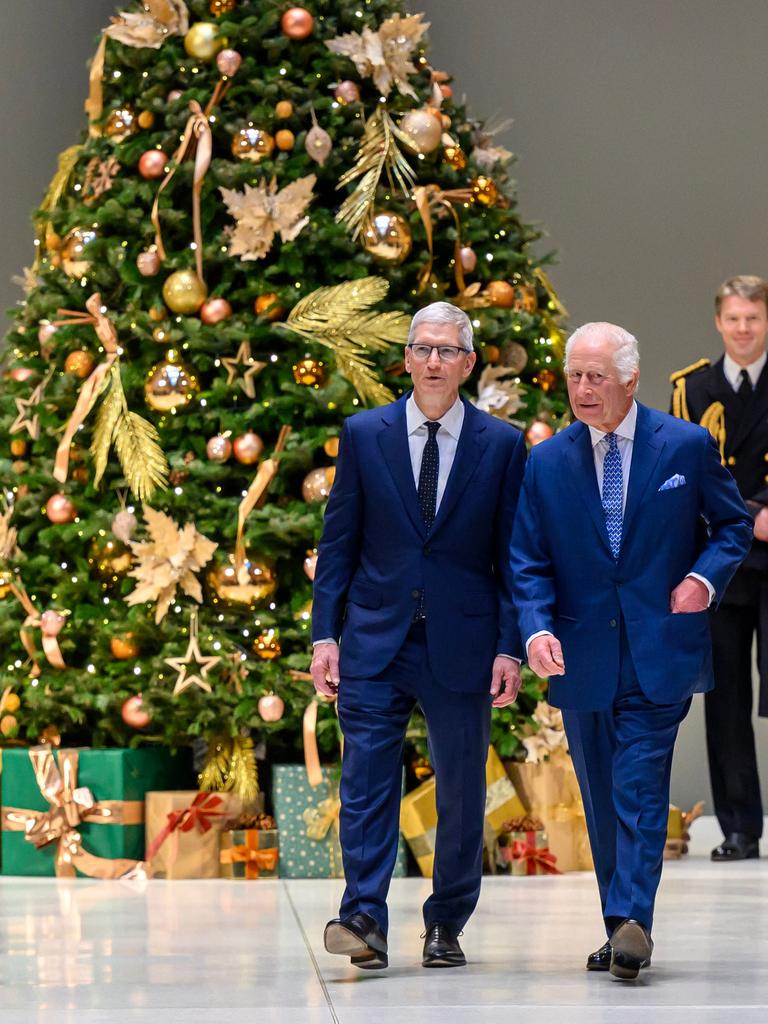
pixel 265 474
pixel 429 198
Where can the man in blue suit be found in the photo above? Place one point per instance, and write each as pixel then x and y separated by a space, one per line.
pixel 628 528
pixel 413 581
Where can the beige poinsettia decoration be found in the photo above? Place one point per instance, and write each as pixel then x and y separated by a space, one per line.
pixel 499 396
pixel 550 737
pixel 262 211
pixel 384 55
pixel 169 560
pixel 8 536
pixel 152 26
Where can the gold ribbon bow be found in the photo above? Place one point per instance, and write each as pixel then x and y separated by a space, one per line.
pixel 265 474
pixel 320 818
pixel 51 648
pixel 92 387
pixel 429 198
pixel 197 131
pixel 69 807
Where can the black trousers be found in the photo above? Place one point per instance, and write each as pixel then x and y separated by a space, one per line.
pixel 728 708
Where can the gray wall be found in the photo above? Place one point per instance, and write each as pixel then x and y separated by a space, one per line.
pixel 640 130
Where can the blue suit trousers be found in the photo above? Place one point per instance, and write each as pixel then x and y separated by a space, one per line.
pixel 374 715
pixel 623 759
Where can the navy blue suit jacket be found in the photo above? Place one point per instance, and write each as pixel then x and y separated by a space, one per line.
pixel 566 580
pixel 375 554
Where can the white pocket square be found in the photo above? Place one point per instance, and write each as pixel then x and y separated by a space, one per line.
pixel 678 480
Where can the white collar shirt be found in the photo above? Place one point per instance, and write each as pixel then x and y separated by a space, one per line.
pixel 625 438
pixel 732 371
pixel 451 423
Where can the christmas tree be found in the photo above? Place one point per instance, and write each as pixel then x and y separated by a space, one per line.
pixel 226 267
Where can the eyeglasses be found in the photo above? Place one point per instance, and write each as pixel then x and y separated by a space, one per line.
pixel 447 353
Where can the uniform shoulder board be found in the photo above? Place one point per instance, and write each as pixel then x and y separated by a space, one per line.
pixel 679 374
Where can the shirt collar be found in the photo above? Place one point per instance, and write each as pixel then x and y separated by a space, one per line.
pixel 451 421
pixel 732 370
pixel 625 429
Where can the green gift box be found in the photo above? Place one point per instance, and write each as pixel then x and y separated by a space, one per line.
pixel 307 821
pixel 95 814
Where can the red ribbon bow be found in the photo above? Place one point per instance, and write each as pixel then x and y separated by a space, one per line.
pixel 533 857
pixel 198 815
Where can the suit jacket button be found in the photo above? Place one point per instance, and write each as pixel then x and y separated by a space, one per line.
pixel 612 623
pixel 731 460
pixel 416 593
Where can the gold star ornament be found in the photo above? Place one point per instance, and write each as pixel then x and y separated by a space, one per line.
pixel 192 656
pixel 253 368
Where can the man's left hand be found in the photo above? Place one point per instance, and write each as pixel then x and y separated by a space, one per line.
pixel 689 596
pixel 505 681
pixel 761 525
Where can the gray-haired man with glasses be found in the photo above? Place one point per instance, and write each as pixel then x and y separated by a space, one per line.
pixel 412 605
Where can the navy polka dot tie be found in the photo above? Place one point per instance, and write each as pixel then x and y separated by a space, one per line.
pixel 430 468
pixel 613 493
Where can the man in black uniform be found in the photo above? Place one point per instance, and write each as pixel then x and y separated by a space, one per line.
pixel 730 399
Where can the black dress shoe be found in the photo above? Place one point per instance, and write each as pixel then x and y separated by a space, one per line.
pixel 737 846
pixel 631 948
pixel 441 948
pixel 600 960
pixel 360 938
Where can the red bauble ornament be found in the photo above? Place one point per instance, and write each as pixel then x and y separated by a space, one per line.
pixel 297 23
pixel 228 62
pixel 134 713
pixel 152 163
pixel 347 91
pixel 537 432
pixel 60 509
pixel 248 447
pixel 214 311
pixel 271 707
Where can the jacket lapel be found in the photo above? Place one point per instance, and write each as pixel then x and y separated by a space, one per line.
pixel 469 450
pixel 582 464
pixel 646 449
pixel 393 441
pixel 750 413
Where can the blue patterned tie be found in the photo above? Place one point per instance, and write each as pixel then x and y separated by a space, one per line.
pixel 430 467
pixel 613 493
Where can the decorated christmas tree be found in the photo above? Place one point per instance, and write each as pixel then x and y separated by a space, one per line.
pixel 226 266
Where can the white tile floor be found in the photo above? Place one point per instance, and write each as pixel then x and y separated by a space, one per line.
pixel 169 952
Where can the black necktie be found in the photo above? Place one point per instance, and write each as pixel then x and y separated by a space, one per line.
pixel 430 468
pixel 745 387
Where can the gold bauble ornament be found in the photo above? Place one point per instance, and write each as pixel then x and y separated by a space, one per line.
pixel 285 139
pixel 500 293
pixel 546 379
pixel 253 585
pixel 247 448
pixel 146 119
pixel 537 432
pixel 157 313
pixel 124 647
pixel 184 292
pixel 454 155
pixel 134 713
pixel 9 725
pixel 251 143
pixel 318 483
pixel 268 306
pixel 79 363
pixel 120 124
pixel 203 40
pixel 303 614
pixel 170 384
pixel 6 579
pixel 161 335
pixel 18 447
pixel 309 372
pixel 271 707
pixel 484 190
pixel 109 560
pixel 284 110
pixel 331 447
pixel 10 702
pixel 491 353
pixel 219 7
pixel 388 237
pixel 422 130
pixel 310 564
pixel 74 251
pixel 526 299
pixel 267 646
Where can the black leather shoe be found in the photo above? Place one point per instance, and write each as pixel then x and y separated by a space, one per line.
pixel 441 948
pixel 631 948
pixel 360 938
pixel 600 960
pixel 737 846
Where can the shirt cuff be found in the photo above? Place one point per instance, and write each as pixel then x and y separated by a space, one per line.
pixel 510 656
pixel 532 637
pixel 705 581
pixel 327 640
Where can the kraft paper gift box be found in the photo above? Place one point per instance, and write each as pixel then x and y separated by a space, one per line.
pixel 82 809
pixel 249 853
pixel 183 832
pixel 524 846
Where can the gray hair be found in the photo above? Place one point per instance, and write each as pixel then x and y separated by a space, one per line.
pixel 444 313
pixel 626 357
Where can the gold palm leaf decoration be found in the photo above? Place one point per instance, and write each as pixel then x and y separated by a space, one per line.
pixel 341 319
pixel 379 152
pixel 230 767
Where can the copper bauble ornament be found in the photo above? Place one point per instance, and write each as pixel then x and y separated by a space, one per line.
pixel 79 363
pixel 152 164
pixel 331 447
pixel 18 447
pixel 120 124
pixel 170 384
pixel 422 130
pixel 157 313
pixel 228 62
pixel 285 140
pixel 484 190
pixel 214 311
pixel 21 373
pixel 468 258
pixel 203 40
pixel 10 702
pixel 8 725
pixel 309 372
pixel 251 143
pixel 75 261
pixel 109 559
pixel 254 584
pixel 347 92
pixel 146 119
pixel 455 157
pixel 218 448
pixel 268 306
pixel 80 475
pixel 297 23
pixel 271 707
pixel 491 353
pixel 310 563
pixel 514 355
pixel 267 646
pixel 526 300
pixel 60 509
pixel 546 379
pixel 173 95
pixel 318 144
pixel 124 647
pixel 247 448
pixel 148 263
pixel 388 237
pixel 219 7
pixel 446 90
pixel 134 713
pixel 184 292
pixel 317 484
pixel 500 293
pixel 284 110
pixel 537 432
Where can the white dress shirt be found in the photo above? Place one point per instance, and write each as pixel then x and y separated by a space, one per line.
pixel 447 440
pixel 732 371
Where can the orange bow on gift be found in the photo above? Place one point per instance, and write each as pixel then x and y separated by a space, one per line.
pixel 255 860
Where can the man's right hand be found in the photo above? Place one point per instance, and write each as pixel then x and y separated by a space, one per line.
pixel 545 656
pixel 325 669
